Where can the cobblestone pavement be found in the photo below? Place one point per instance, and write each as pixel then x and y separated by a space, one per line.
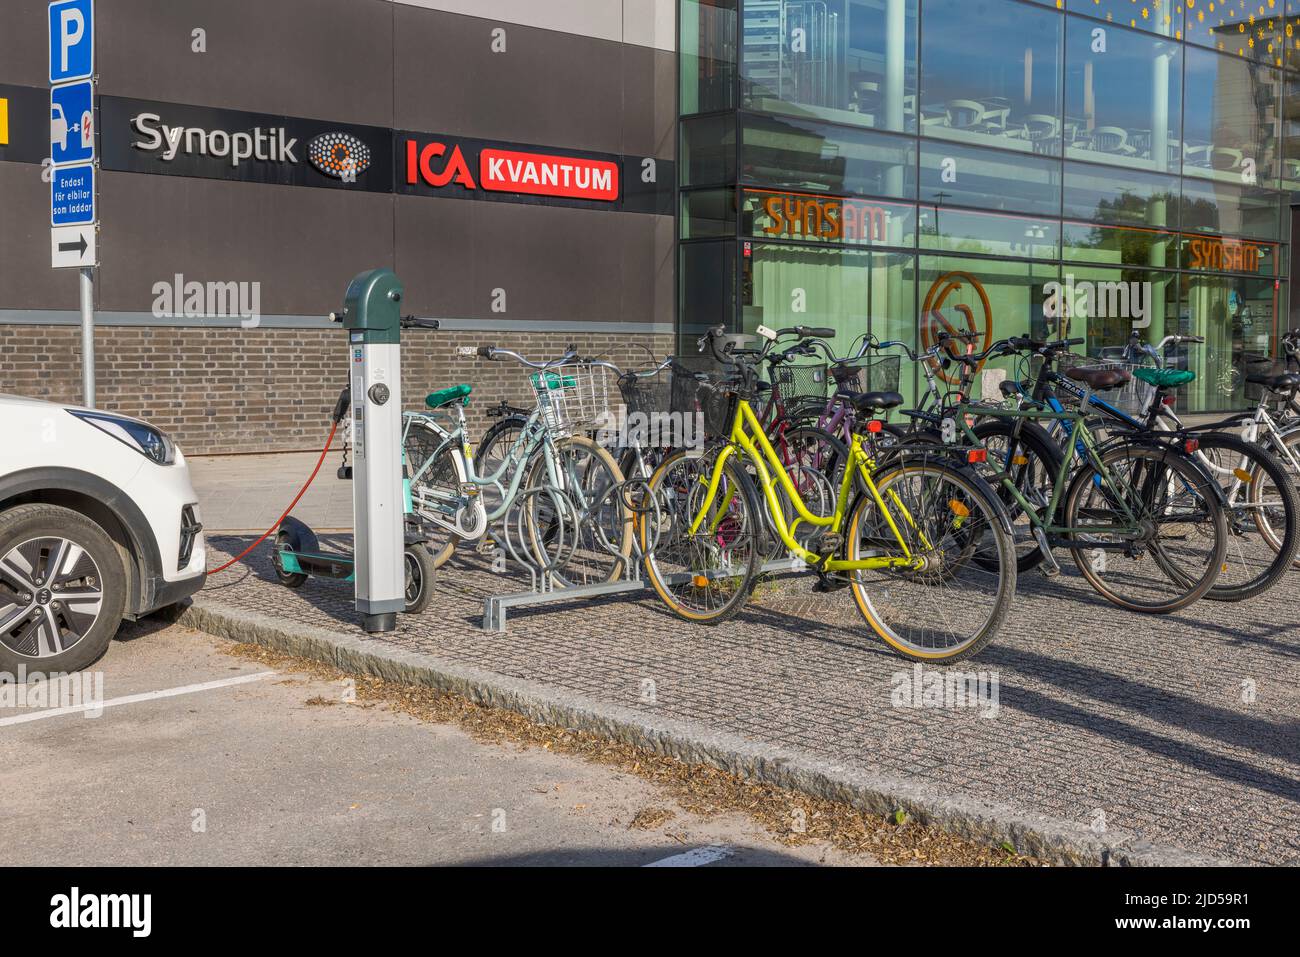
pixel 1184 730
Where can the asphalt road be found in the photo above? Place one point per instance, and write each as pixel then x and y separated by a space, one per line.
pixel 244 770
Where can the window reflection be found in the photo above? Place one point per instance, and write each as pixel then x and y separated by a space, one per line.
pixel 846 61
pixel 1232 121
pixel 991 74
pixel 1123 97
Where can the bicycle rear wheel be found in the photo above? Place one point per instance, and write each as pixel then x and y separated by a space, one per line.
pixel 706 576
pixel 596 549
pixel 1171 553
pixel 954 604
pixel 1031 460
pixel 1262 514
pixel 435 487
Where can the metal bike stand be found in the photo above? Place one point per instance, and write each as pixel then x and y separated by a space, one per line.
pixel 544 591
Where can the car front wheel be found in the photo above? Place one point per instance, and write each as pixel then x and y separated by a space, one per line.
pixel 62 590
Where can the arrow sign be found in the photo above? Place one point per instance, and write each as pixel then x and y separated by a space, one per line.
pixel 79 245
pixel 72 247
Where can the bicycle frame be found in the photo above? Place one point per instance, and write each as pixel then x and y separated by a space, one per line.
pixel 1080 440
pixel 747 434
pixel 515 461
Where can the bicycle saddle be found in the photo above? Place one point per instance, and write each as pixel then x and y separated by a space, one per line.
pixel 1163 378
pixel 1099 379
pixel 872 401
pixel 1276 383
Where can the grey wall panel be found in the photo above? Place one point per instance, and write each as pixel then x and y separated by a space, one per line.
pixel 591 18
pixel 553 263
pixel 26 279
pixel 649 102
pixel 651 23
pixel 24 55
pixel 644 22
pixel 326 59
pixel 548 88
pixel 302 245
pixel 649 287
pixel 435 258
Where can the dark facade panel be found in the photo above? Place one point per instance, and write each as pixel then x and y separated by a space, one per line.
pixel 649 102
pixel 24 57
pixel 434 256
pixel 551 88
pixel 309 58
pixel 26 279
pixel 302 245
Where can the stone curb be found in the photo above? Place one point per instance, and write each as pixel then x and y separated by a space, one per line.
pixel 1058 842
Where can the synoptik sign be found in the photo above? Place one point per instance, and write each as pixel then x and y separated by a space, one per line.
pixel 273 145
pixel 139 136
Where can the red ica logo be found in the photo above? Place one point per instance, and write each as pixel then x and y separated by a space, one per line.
pixel 419 165
pixel 339 155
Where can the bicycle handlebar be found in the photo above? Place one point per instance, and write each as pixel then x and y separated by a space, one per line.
pixel 492 353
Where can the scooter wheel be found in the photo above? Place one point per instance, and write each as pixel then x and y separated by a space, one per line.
pixel 286 541
pixel 420 573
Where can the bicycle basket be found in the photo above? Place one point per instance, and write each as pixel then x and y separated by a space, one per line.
pixel 796 382
pixel 572 398
pixel 702 386
pixel 1256 366
pixel 1133 397
pixel 868 374
pixel 647 395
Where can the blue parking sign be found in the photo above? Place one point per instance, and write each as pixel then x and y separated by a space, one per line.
pixel 72 40
pixel 72 195
pixel 72 123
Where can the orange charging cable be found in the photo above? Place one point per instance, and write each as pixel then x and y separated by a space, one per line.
pixel 301 493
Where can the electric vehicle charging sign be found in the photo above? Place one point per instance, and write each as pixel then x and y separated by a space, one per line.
pixel 72 118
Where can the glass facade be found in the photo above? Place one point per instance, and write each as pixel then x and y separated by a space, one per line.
pixel 898 166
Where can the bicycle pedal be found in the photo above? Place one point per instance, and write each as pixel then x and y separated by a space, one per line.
pixel 824 585
pixel 1049 567
pixel 485 546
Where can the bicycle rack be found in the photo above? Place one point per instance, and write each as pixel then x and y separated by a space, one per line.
pixel 543 588
pixel 544 571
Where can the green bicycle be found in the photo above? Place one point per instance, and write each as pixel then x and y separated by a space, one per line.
pixel 1141 518
pixel 919 538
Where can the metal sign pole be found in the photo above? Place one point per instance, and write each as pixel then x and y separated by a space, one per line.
pixel 88 337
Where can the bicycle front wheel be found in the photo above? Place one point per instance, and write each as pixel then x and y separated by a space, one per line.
pixel 951 602
pixel 597 548
pixel 1171 550
pixel 1262 516
pixel 703 576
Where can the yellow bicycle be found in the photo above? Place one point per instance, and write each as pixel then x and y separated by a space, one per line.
pixel 920 539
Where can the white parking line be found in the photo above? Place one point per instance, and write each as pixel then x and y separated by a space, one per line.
pixel 695 857
pixel 135 698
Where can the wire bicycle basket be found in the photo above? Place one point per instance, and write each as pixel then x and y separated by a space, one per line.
pixel 800 383
pixel 572 398
pixel 867 374
pixel 702 386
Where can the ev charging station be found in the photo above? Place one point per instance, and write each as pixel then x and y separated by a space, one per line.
pixel 372 318
pixel 390 565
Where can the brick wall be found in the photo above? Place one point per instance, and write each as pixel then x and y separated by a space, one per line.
pixel 270 390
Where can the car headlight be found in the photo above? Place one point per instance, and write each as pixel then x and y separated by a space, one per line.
pixel 145 439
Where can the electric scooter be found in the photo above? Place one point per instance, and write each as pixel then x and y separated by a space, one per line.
pixel 297 554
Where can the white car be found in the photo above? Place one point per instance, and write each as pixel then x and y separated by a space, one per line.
pixel 98 522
